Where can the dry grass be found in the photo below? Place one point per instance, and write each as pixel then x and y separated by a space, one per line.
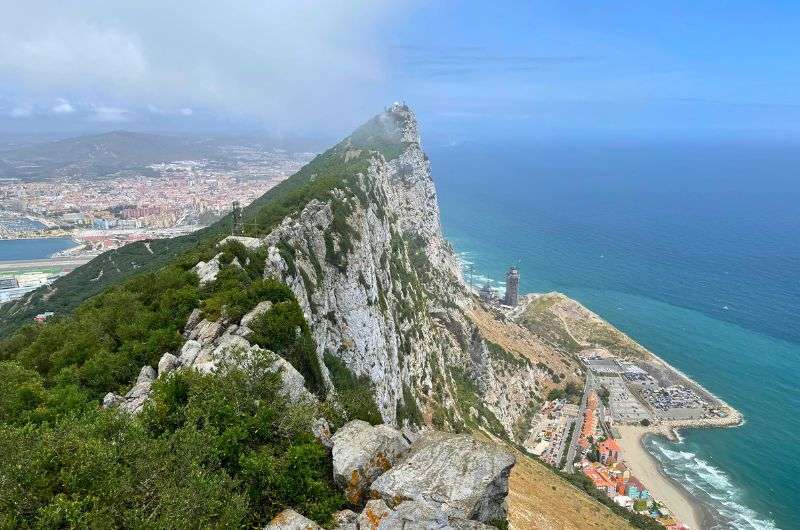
pixel 539 499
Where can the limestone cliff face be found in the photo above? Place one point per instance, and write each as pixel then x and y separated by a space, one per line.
pixel 383 290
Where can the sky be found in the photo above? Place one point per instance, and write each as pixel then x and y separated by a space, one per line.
pixel 629 68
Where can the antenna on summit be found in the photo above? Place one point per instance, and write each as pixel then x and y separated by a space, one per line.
pixel 237 229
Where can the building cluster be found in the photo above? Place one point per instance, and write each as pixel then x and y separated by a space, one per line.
pixel 601 459
pixel 611 476
pixel 550 431
pixel 185 193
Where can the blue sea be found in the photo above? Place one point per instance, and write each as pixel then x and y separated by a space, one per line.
pixel 31 249
pixel 691 248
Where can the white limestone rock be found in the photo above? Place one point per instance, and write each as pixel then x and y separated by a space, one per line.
pixel 207 271
pixel 291 520
pixel 361 452
pixel 167 364
pixel 111 400
pixel 206 331
pixel 189 352
pixel 375 511
pixel 146 375
pixel 192 320
pixel 465 478
pixel 259 309
pixel 250 243
pixel 134 400
pixel 416 515
pixel 293 384
pixel 322 432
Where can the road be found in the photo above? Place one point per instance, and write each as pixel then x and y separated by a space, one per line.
pixel 576 433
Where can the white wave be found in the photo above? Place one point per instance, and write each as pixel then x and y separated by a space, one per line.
pixel 712 485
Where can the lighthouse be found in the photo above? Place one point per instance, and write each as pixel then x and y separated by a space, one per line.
pixel 512 287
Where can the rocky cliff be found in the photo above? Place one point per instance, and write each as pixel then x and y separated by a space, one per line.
pixel 383 290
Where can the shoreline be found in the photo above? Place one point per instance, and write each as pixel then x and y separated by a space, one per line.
pixel 685 506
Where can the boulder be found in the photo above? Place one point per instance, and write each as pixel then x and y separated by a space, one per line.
pixel 465 478
pixel 146 375
pixel 374 512
pixel 416 515
pixel 207 271
pixel 345 520
pixel 167 364
pixel 259 309
pixel 206 331
pixel 134 400
pixel 293 384
pixel 291 520
pixel 361 453
pixel 250 243
pixel 111 400
pixel 189 352
pixel 192 320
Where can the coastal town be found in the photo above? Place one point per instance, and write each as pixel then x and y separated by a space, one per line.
pixel 599 432
pixel 100 214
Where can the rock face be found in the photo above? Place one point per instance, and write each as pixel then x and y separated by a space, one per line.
pixel 463 477
pixel 383 291
pixel 361 453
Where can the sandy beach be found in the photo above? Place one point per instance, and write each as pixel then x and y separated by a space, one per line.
pixel 645 467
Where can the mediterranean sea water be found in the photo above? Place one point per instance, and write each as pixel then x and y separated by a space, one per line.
pixel 691 248
pixel 31 249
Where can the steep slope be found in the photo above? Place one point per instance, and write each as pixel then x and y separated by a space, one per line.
pixel 383 291
pixel 384 311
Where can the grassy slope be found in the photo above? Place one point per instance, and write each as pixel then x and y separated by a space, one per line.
pixel 539 499
pixel 569 326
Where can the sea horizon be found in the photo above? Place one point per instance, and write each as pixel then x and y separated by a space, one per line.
pixel 640 247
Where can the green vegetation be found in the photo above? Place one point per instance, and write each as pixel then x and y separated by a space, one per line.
pixel 604 394
pixel 572 392
pixel 208 451
pixel 354 398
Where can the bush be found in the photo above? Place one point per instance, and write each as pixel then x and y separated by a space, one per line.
pixel 355 397
pixel 208 451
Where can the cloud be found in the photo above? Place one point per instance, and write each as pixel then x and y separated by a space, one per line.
pixel 110 115
pixel 21 112
pixel 63 107
pixel 287 63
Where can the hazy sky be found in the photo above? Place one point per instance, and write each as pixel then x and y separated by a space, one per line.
pixel 294 67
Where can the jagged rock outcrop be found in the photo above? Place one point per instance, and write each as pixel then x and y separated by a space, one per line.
pixel 211 345
pixel 464 477
pixel 361 453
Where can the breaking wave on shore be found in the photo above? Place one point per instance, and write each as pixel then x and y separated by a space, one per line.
pixel 709 484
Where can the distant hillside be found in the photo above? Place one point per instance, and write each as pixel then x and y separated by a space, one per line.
pixel 99 155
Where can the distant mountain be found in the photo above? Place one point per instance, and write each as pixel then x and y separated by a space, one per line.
pixel 100 155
